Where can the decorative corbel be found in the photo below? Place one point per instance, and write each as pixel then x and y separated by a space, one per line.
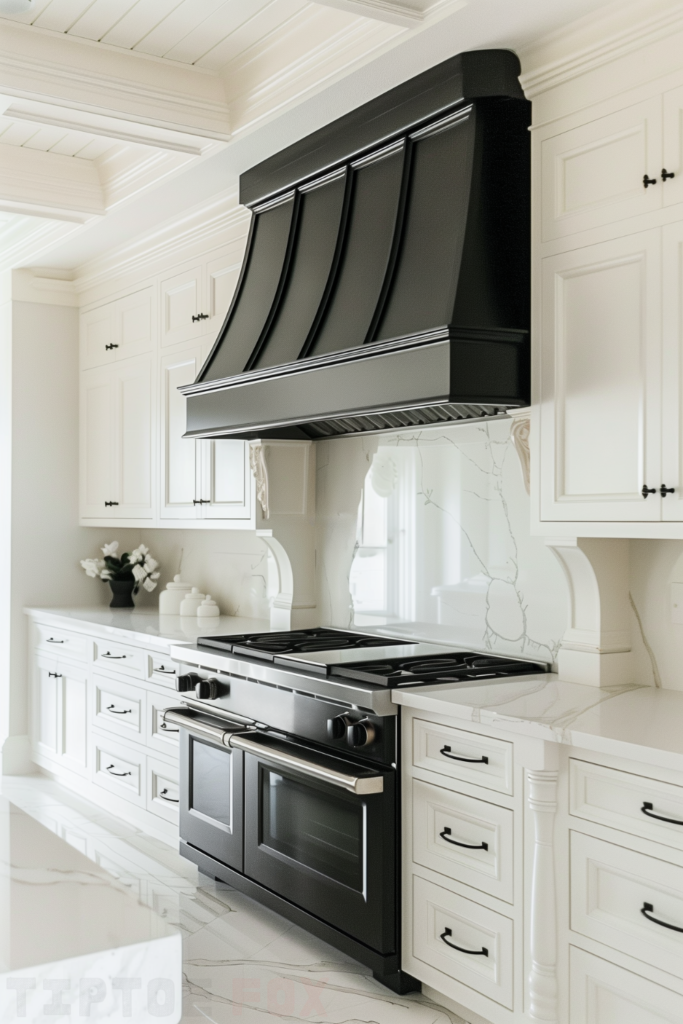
pixel 519 432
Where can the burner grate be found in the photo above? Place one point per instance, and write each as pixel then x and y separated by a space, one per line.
pixel 268 645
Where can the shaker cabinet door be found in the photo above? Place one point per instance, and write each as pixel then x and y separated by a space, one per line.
pixel 180 465
pixel 181 302
pixel 672 373
pixel 132 400
pixel 227 481
pixel 601 382
pixel 97 485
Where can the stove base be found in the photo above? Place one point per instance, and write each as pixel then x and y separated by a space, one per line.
pixel 385 968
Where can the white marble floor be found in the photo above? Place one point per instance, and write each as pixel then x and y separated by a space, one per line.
pixel 241 962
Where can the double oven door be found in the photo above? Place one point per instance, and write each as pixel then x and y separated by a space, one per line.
pixel 292 820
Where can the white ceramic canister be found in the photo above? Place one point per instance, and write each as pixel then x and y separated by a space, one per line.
pixel 191 603
pixel 208 609
pixel 171 598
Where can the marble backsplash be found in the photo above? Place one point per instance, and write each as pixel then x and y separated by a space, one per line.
pixel 427 534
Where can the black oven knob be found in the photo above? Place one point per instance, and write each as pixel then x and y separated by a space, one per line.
pixel 206 689
pixel 336 727
pixel 360 734
pixel 187 682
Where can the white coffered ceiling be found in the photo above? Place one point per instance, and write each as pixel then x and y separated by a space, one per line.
pixel 116 115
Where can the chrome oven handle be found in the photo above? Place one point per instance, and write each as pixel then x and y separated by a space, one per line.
pixel 360 785
pixel 185 719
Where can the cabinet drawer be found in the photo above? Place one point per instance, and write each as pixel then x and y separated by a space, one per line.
pixel 627 802
pixel 450 832
pixel 160 669
pixel 442 920
pixel 602 993
pixel 62 643
pixel 161 735
pixel 120 658
pixel 119 769
pixel 611 886
pixel 117 707
pixel 163 792
pixel 463 755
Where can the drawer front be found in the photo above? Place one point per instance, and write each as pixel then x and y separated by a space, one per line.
pixel 628 802
pixel 610 888
pixel 161 670
pixel 117 707
pixel 442 920
pixel 120 658
pixel 480 760
pixel 62 643
pixel 119 769
pixel 463 838
pixel 602 993
pixel 163 791
pixel 162 736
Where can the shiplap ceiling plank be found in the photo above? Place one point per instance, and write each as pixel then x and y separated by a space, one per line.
pixel 94 149
pixel 230 18
pixel 100 17
pixel 73 143
pixel 45 138
pixel 15 133
pixel 62 15
pixel 258 28
pixel 142 19
pixel 179 23
pixel 28 17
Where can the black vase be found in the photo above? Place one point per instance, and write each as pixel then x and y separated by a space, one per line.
pixel 122 591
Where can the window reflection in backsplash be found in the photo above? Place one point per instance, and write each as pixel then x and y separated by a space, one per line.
pixel 443 548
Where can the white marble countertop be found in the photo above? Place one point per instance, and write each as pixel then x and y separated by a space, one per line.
pixel 73 938
pixel 636 722
pixel 143 625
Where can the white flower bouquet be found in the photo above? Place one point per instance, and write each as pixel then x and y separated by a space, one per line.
pixel 136 567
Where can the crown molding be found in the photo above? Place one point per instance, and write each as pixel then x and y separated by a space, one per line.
pixel 207 227
pixel 583 58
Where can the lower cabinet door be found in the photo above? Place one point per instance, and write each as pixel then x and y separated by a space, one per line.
pixel 119 768
pixel 467 942
pixel 602 993
pixel 74 717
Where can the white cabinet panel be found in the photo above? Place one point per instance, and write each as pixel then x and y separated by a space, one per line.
pixel 135 324
pixel 62 642
pixel 118 330
pixel 672 162
pixel 222 275
pixel 132 382
pixel 181 298
pixel 46 706
pixel 74 717
pixel 60 722
pixel 602 993
pixel 115 657
pixel 600 414
pixel 97 443
pixel 118 707
pixel 479 760
pixel 163 790
pixel 672 370
pixel 593 174
pixel 98 336
pixel 226 485
pixel 180 461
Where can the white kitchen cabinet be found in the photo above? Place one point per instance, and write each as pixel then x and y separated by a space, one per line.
pixel 195 300
pixel 116 440
pixel 602 993
pixel 118 330
pixel 59 710
pixel 201 480
pixel 601 383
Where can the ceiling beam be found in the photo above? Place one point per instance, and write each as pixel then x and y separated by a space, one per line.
pixel 49 185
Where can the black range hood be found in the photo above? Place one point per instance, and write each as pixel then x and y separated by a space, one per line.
pixel 386 277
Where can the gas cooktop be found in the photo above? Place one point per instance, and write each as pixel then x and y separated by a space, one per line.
pixel 369 657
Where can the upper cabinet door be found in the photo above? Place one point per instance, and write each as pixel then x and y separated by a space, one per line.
pixel 672 372
pixel 98 336
pixel 135 324
pixel 96 444
pixel 227 482
pixel 181 301
pixel 180 484
pixel 672 162
pixel 222 275
pixel 601 382
pixel 595 174
pixel 132 399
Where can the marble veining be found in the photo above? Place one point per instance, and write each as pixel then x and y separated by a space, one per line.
pixel 241 961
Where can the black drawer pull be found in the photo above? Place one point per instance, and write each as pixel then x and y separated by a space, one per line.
pixel 54 675
pixel 446 751
pixel 169 798
pixel 51 640
pixel 647 909
pixel 472 952
pixel 165 671
pixel 120 774
pixel 112 708
pixel 467 846
pixel 167 728
pixel 115 657
pixel 647 807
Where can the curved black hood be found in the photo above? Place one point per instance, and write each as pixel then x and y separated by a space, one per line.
pixel 386 278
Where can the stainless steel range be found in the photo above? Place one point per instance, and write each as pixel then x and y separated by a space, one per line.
pixel 289 781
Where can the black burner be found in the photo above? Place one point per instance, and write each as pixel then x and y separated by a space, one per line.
pixel 267 645
pixel 458 667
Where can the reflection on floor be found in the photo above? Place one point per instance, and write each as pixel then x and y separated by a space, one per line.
pixel 241 961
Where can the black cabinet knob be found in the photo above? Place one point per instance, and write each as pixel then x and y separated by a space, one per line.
pixel 667 174
pixel 206 689
pixel 663 490
pixel 187 682
pixel 360 734
pixel 336 727
pixel 648 490
pixel 648 181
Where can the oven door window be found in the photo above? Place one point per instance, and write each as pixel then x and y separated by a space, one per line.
pixel 323 831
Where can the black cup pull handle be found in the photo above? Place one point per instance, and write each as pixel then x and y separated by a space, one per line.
pixel 667 174
pixel 446 751
pixel 472 952
pixel 170 799
pixel 467 846
pixel 120 774
pixel 647 909
pixel 647 808
pixel 112 708
pixel 648 181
